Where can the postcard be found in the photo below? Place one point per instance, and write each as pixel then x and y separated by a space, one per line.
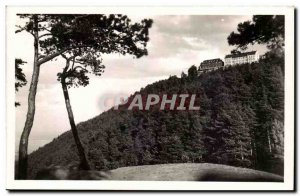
pixel 150 98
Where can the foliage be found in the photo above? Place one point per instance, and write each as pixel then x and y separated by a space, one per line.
pixel 263 29
pixel 105 34
pixel 19 76
pixel 112 33
pixel 192 72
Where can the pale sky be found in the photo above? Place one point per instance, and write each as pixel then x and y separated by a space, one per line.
pixel 176 43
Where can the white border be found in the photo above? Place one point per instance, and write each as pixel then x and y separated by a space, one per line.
pixel 153 185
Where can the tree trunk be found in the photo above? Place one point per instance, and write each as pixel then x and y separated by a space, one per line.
pixel 84 164
pixel 23 146
pixel 269 141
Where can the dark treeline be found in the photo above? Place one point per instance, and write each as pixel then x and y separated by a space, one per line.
pixel 240 123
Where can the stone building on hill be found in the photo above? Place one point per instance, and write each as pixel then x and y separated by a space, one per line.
pixel 209 65
pixel 241 58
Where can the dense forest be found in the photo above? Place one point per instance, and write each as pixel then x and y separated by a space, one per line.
pixel 240 123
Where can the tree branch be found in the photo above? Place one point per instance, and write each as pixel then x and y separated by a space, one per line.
pixel 41 56
pixel 82 63
pixel 47 34
pixel 45 29
pixel 66 67
pixel 48 58
pixel 64 56
pixel 80 68
pixel 73 62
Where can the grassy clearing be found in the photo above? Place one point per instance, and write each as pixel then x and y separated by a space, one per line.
pixel 191 172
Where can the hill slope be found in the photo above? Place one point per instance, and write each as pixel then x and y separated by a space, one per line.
pixel 240 123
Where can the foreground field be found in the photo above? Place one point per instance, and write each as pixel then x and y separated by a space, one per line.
pixel 163 172
pixel 191 172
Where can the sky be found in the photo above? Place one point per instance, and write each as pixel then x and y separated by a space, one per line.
pixel 176 43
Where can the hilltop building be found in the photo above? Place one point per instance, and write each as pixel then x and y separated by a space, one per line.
pixel 241 58
pixel 209 65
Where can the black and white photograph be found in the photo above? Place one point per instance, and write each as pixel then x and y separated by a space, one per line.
pixel 161 98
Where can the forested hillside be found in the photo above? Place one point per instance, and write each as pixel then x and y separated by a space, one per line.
pixel 240 123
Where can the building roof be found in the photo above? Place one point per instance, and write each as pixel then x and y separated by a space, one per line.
pixel 240 55
pixel 212 60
